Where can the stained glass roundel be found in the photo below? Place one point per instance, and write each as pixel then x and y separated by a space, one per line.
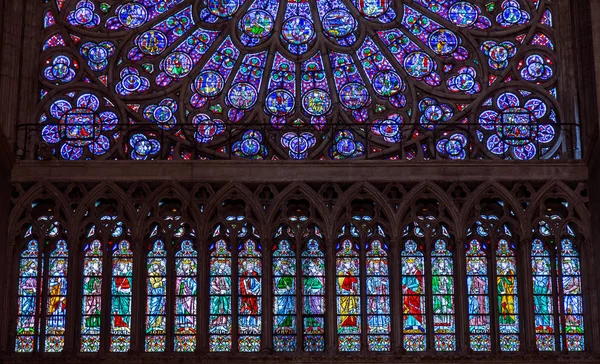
pixel 318 79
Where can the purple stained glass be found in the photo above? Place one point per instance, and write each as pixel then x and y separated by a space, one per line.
pixel 357 62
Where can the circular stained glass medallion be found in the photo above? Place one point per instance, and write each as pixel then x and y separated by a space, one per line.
pixel 222 8
pixel 418 64
pixel 298 30
pixel 152 42
pixel 242 96
pixel 209 83
pixel 443 42
pixel 178 64
pixel 257 23
pixel 387 83
pixel 280 102
pixel 339 23
pixel 316 102
pixel 354 96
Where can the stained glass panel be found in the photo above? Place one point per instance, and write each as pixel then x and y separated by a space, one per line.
pixel 56 314
pixel 144 80
pixel 28 296
pixel 156 298
pixel 249 296
pixel 220 297
pixel 91 297
pixel 478 296
pixel 414 324
pixel 348 296
pixel 378 297
pixel 572 306
pixel 508 302
pixel 543 296
pixel 442 288
pixel 186 269
pixel 313 291
pixel 121 289
pixel 284 296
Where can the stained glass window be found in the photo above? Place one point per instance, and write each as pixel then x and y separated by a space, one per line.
pixel 249 295
pixel 348 296
pixel 478 296
pixel 56 314
pixel 145 80
pixel 220 320
pixel 42 291
pixel 508 303
pixel 156 298
pixel 570 288
pixel 543 296
pixel 244 298
pixel 378 297
pixel 557 290
pixel 121 290
pixel 91 316
pixel 186 270
pixel 414 324
pixel 284 296
pixel 442 288
pixel 29 294
pixel 313 291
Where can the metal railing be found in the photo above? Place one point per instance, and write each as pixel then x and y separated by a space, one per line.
pixel 180 143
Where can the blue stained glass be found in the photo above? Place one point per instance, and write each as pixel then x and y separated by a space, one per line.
pixel 186 284
pixel 378 297
pixel 478 297
pixel 156 298
pixel 220 309
pixel 121 294
pixel 243 78
pixel 250 296
pixel 28 296
pixel 284 292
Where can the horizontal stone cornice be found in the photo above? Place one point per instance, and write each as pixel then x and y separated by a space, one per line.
pixel 308 171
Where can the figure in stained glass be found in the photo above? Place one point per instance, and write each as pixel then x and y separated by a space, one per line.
pixel 442 287
pixel 284 291
pixel 478 299
pixel 313 291
pixel 348 299
pixel 220 308
pixel 92 297
pixel 455 52
pixel 186 269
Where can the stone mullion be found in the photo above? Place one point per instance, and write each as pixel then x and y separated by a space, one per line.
pixel 362 296
pixel 525 297
pixel 493 295
pixel 74 296
pixel 234 291
pixel 138 297
pixel 428 286
pixel 171 291
pixel 556 298
pixel 299 293
pixel 395 297
pixel 43 319
pixel 106 295
pixel 330 298
pixel 461 313
pixel 202 305
pixel 267 293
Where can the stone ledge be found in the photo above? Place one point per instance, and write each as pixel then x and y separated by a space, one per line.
pixel 308 171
